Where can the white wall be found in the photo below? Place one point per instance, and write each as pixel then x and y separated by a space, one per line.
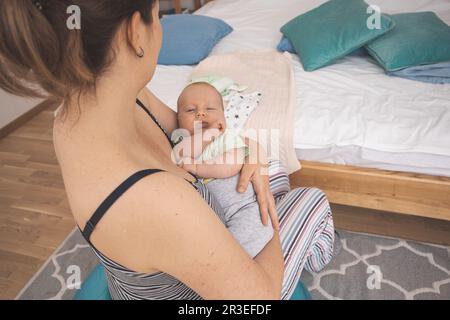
pixel 12 107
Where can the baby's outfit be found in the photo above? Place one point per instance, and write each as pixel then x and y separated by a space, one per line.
pixel 227 141
pixel 241 210
pixel 242 213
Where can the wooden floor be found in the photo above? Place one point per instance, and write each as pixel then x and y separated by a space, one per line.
pixel 35 217
pixel 34 214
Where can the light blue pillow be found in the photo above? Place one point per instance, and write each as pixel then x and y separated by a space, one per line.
pixel 285 45
pixel 438 73
pixel 419 38
pixel 332 31
pixel 188 39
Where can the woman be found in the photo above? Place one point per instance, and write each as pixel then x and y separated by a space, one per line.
pixel 157 236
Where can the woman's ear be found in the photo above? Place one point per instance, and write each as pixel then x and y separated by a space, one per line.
pixel 134 32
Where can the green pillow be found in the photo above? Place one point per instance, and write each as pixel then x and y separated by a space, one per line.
pixel 331 31
pixel 418 38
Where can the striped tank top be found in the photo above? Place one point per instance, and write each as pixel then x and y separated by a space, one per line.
pixel 126 284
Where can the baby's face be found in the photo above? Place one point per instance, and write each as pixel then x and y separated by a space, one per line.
pixel 200 106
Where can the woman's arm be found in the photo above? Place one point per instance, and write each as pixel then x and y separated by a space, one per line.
pixel 256 171
pixel 272 261
pixel 178 233
pixel 165 115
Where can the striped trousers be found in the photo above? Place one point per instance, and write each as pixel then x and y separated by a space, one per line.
pixel 306 228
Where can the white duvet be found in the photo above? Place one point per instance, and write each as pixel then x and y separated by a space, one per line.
pixel 351 103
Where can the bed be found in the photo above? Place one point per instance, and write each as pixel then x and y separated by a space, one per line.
pixel 368 140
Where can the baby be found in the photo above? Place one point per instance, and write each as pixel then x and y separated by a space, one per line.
pixel 209 150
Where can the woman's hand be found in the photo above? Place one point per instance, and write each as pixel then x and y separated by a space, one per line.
pixel 255 170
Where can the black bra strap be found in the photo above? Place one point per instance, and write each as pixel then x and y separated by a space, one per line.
pixel 113 197
pixel 155 121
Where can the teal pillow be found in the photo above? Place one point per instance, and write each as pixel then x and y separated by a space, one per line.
pixel 286 45
pixel 418 38
pixel 95 287
pixel 301 293
pixel 331 31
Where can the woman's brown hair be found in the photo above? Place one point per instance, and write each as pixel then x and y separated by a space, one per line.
pixel 37 47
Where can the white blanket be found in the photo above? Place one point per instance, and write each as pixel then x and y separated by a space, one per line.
pixel 270 73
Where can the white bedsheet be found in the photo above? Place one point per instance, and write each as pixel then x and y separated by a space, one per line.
pixel 349 104
pixel 423 163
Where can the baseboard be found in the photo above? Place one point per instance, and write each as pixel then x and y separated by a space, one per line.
pixel 30 114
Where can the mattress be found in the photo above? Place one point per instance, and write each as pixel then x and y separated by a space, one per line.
pixel 348 113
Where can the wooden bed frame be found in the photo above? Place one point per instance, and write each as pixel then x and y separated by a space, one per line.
pixel 197 5
pixel 399 192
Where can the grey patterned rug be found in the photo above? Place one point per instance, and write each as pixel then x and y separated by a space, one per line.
pixel 368 267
